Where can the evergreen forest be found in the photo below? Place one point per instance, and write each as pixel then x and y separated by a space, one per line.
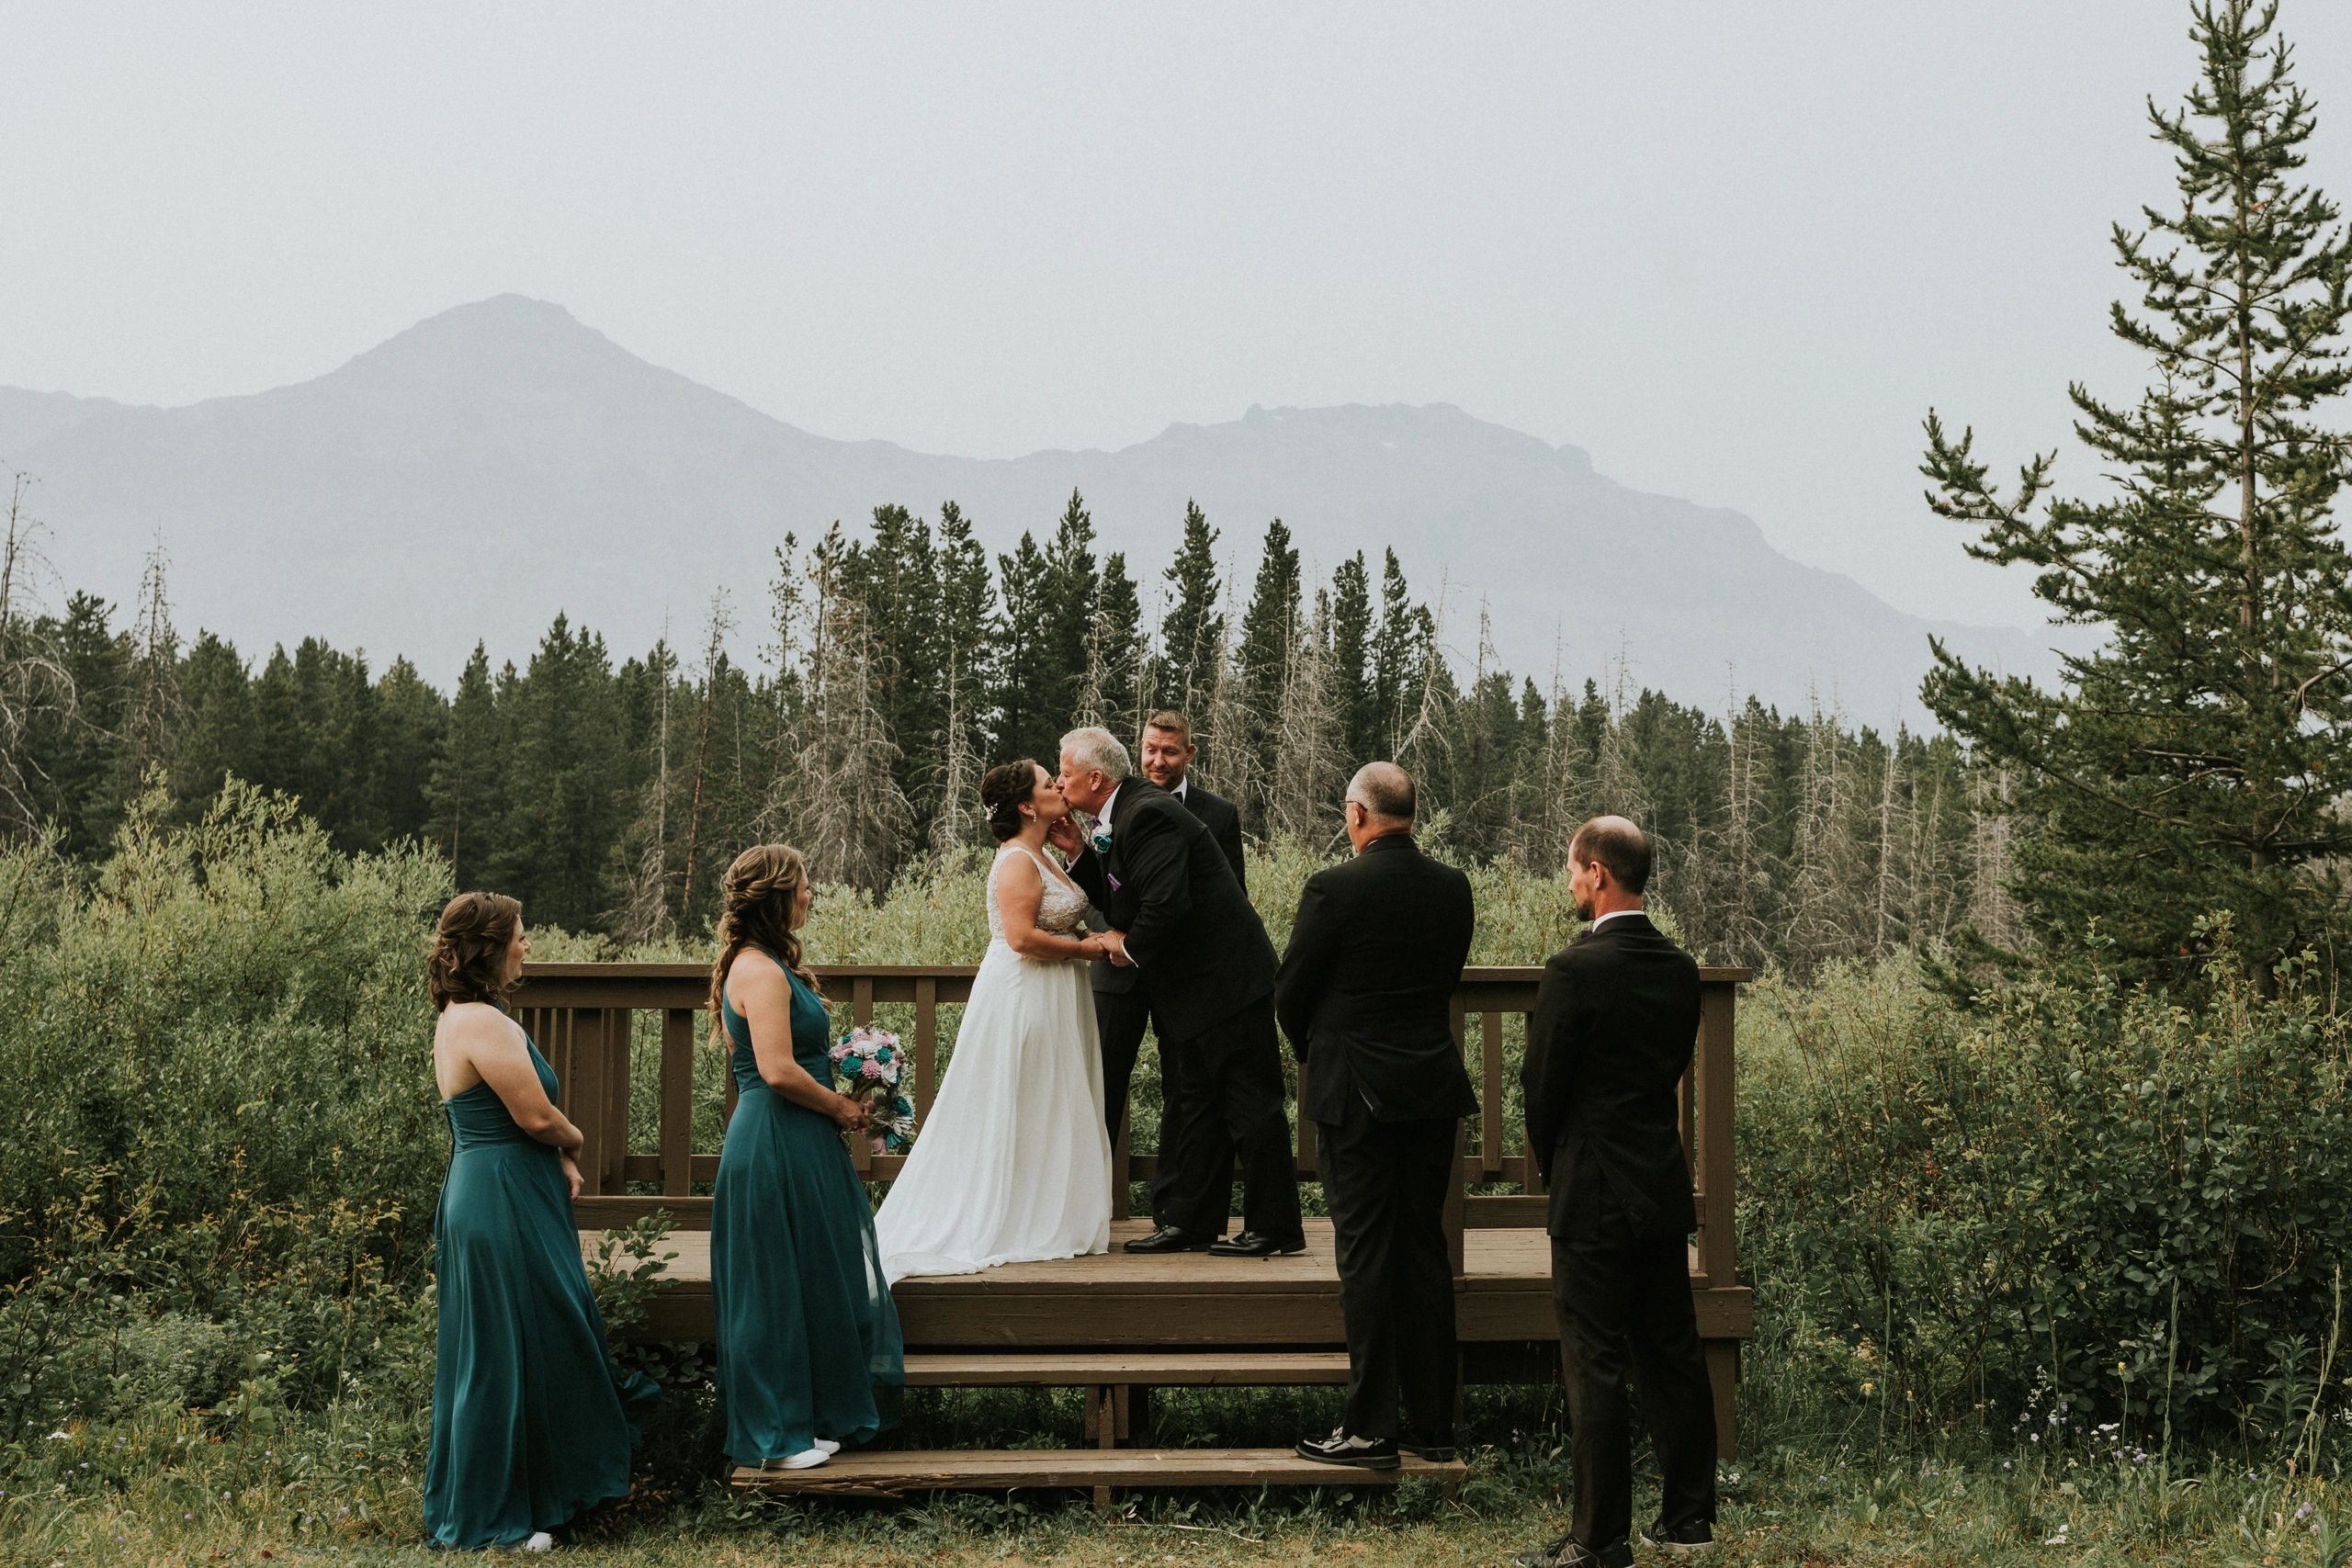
pixel 899 661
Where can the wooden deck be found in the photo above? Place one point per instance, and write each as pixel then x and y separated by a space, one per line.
pixel 652 1100
pixel 1186 1299
pixel 884 1473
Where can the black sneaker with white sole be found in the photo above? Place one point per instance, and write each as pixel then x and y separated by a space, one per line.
pixel 1342 1448
pixel 1568 1551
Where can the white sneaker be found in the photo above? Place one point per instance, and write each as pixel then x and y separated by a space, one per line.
pixel 540 1542
pixel 807 1458
pixel 828 1444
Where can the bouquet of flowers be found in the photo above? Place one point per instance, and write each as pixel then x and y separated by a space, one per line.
pixel 871 1063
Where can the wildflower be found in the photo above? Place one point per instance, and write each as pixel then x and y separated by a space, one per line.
pixel 2302 1512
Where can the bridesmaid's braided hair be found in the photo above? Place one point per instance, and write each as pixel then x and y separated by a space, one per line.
pixel 755 911
pixel 468 962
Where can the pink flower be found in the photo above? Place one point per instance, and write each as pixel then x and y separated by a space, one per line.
pixel 869 1068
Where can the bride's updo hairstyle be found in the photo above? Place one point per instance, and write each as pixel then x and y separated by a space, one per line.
pixel 756 904
pixel 468 962
pixel 1007 787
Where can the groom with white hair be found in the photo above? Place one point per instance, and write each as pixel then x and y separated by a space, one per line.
pixel 1178 914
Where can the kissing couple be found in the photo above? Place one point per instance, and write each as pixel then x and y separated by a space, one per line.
pixel 1014 1162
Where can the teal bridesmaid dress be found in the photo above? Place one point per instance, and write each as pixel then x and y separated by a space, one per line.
pixel 532 1423
pixel 808 1341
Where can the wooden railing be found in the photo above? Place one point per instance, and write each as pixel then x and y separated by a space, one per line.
pixel 642 1080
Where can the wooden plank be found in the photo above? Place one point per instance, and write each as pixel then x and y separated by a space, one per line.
pixel 889 1474
pixel 678 1101
pixel 587 1089
pixel 926 1045
pixel 1458 1022
pixel 1491 1102
pixel 615 1044
pixel 1716 1154
pixel 1723 1380
pixel 1489 1212
pixel 1222 1369
pixel 1532 1171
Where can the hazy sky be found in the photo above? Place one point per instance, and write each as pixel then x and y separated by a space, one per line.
pixel 1733 249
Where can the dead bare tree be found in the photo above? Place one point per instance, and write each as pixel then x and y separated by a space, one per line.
pixel 34 680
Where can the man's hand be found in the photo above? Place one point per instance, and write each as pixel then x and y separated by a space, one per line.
pixel 1064 836
pixel 1117 942
pixel 572 1174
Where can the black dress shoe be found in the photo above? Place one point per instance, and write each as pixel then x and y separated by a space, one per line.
pixel 1339 1448
pixel 1437 1451
pixel 1250 1244
pixel 1167 1238
pixel 1692 1539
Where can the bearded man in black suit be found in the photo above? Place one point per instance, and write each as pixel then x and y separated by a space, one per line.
pixel 1365 995
pixel 1177 913
pixel 1122 1009
pixel 1615 1021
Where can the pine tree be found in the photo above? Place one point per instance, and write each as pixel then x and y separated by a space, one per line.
pixel 1397 651
pixel 1110 691
pixel 712 685
pixel 411 716
pixel 2191 764
pixel 1028 724
pixel 216 741
pixel 151 714
pixel 1269 629
pixel 1191 633
pixel 465 799
pixel 564 808
pixel 1071 592
pixel 966 614
pixel 1351 687
pixel 648 914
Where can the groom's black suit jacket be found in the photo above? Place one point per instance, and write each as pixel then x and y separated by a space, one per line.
pixel 1615 1021
pixel 1223 819
pixel 1200 951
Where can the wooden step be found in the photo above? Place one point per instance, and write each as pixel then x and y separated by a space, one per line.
pixel 888 1474
pixel 1141 1369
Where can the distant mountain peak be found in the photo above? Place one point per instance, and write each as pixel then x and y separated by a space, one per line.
pixel 507 433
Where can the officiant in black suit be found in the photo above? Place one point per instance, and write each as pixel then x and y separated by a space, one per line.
pixel 1122 1009
pixel 1615 1021
pixel 1177 913
pixel 1366 994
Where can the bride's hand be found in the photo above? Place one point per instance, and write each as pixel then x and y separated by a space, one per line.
pixel 1064 836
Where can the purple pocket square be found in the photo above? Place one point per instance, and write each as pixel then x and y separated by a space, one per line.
pixel 1112 877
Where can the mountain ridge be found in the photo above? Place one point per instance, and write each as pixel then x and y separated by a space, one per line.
pixel 493 464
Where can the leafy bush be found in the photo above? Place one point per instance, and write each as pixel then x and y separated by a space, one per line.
pixel 2145 1208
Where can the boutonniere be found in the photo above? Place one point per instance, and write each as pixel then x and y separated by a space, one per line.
pixel 1101 837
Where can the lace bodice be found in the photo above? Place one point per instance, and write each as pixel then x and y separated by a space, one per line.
pixel 1063 909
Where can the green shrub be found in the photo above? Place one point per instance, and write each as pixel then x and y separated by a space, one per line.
pixel 2144 1206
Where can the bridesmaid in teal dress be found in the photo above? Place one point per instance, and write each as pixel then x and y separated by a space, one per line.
pixel 531 1424
pixel 809 1355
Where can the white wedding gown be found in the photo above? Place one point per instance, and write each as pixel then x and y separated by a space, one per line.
pixel 1013 1163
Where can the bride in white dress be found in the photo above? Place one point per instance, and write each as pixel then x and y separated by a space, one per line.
pixel 1012 1163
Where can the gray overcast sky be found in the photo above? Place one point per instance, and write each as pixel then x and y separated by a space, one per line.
pixel 1733 249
